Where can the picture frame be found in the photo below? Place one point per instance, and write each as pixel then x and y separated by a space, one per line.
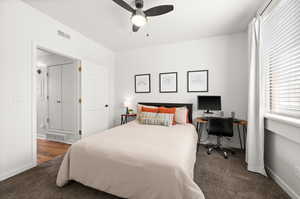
pixel 168 82
pixel 197 81
pixel 142 83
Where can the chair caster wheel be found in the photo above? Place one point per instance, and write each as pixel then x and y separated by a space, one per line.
pixel 225 155
pixel 209 151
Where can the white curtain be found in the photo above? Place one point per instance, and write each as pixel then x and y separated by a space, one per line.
pixel 255 135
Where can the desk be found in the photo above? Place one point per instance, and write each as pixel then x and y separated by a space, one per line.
pixel 237 122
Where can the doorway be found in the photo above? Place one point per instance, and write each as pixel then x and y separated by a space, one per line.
pixel 58 98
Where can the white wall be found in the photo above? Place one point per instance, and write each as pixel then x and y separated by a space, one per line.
pixel 225 57
pixel 282 148
pixel 42 103
pixel 20 27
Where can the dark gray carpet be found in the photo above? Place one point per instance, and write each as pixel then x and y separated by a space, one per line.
pixel 218 178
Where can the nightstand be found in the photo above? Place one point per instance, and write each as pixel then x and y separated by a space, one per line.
pixel 124 117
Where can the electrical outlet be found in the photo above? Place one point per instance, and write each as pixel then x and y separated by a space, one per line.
pixel 297 171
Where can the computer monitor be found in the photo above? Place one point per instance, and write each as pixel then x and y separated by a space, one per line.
pixel 209 103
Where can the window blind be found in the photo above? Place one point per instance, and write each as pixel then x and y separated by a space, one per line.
pixel 281 58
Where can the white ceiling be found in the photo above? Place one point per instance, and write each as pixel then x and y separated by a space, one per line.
pixel 41 52
pixel 107 23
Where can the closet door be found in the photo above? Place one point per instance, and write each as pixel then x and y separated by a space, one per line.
pixel 54 98
pixel 69 99
pixel 95 109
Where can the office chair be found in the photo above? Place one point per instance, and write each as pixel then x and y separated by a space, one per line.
pixel 220 127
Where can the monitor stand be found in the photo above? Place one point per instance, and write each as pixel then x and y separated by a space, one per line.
pixel 208 112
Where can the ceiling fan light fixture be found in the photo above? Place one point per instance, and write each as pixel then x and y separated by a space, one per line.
pixel 139 19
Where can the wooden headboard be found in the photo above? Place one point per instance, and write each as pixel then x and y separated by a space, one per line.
pixel 169 105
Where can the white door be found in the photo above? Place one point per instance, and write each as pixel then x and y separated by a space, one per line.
pixel 54 98
pixel 63 98
pixel 69 99
pixel 95 107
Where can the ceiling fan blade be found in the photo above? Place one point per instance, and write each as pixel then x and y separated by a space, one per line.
pixel 135 28
pixel 159 10
pixel 124 5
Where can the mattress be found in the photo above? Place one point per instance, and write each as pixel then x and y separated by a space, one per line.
pixel 136 161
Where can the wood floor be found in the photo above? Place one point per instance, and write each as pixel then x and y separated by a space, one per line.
pixel 47 150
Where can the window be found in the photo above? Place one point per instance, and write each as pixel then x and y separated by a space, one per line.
pixel 281 58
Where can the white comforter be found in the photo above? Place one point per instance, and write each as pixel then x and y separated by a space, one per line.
pixel 136 161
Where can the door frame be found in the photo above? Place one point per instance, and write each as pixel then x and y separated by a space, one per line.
pixel 60 51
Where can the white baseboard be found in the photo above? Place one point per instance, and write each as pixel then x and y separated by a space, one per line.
pixel 41 136
pixel 16 171
pixel 68 141
pixel 61 141
pixel 282 184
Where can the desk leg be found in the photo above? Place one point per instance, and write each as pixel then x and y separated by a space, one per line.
pixel 244 136
pixel 200 132
pixel 198 129
pixel 238 128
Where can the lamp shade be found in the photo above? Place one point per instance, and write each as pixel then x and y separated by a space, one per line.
pixel 126 104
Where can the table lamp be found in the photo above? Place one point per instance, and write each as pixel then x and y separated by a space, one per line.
pixel 126 104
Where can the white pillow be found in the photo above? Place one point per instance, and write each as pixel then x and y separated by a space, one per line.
pixel 181 115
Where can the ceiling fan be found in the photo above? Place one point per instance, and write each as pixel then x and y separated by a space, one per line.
pixel 139 17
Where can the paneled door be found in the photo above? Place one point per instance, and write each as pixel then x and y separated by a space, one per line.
pixel 54 98
pixel 63 98
pixel 95 95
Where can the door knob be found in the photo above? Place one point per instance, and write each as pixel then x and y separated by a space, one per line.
pixel 106 105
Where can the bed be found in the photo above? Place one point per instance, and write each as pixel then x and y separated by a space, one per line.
pixel 136 161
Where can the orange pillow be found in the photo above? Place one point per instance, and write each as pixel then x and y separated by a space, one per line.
pixel 168 110
pixel 151 110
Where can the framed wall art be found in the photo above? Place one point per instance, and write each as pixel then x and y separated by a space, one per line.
pixel 197 81
pixel 142 83
pixel 168 82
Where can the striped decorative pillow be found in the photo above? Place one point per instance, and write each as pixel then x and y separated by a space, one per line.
pixel 139 109
pixel 163 119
